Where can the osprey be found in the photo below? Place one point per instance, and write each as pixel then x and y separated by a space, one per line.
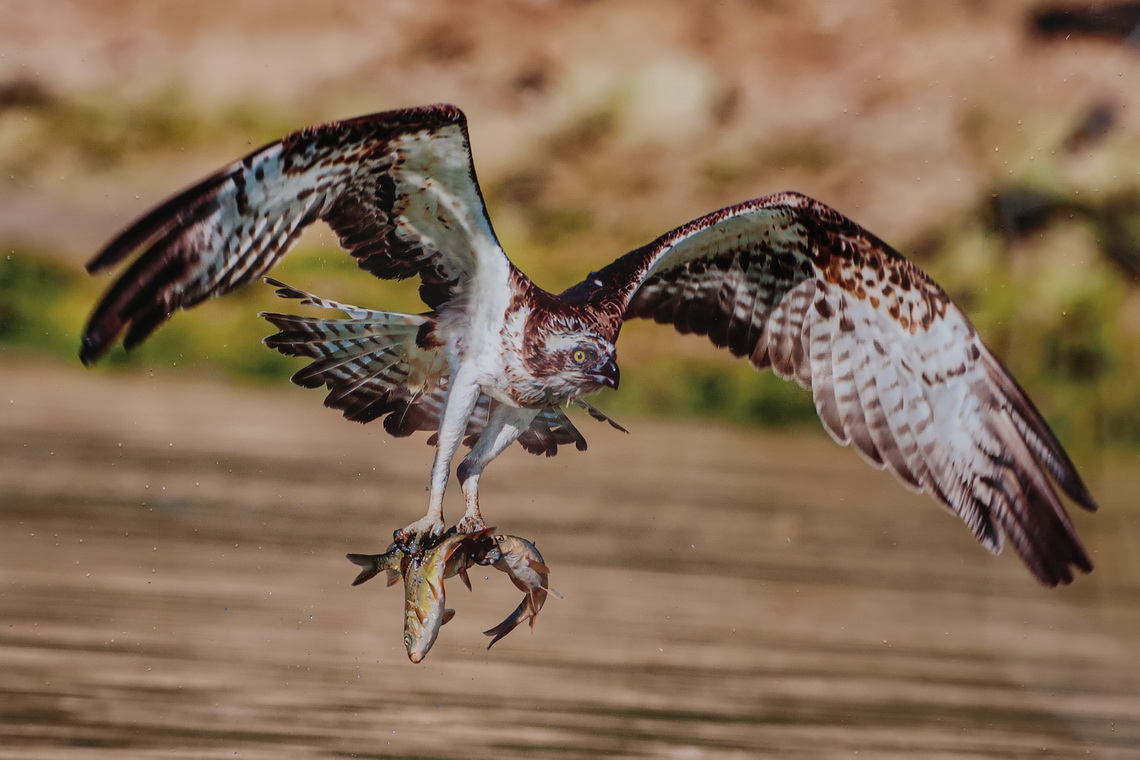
pixel 783 281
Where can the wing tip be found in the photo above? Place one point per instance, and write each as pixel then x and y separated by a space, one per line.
pixel 90 352
pixel 1072 556
pixel 98 337
pixel 1076 490
pixel 102 260
pixel 121 246
pixel 1062 573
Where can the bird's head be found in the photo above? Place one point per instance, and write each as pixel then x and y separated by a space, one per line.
pixel 573 360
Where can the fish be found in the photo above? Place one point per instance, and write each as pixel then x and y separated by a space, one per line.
pixel 424 596
pixel 478 552
pixel 374 564
pixel 523 563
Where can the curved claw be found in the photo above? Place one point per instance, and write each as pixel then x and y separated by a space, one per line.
pixel 470 524
pixel 414 538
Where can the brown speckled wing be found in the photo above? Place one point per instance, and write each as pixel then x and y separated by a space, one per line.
pixel 398 188
pixel 894 367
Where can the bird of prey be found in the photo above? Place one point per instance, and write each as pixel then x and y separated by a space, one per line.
pixel 782 281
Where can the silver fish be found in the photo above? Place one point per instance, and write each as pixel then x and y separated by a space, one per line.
pixel 522 561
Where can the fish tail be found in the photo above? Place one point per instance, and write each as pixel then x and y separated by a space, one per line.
pixel 512 621
pixel 371 565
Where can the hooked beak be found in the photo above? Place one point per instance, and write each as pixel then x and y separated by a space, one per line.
pixel 610 375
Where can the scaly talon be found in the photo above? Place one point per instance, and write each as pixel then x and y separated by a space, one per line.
pixel 470 524
pixel 414 538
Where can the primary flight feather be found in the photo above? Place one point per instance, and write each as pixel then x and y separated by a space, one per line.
pixel 783 281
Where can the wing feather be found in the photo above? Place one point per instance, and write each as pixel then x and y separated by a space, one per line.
pixel 819 337
pixel 895 368
pixel 398 188
pixel 739 334
pixel 845 354
pixel 866 369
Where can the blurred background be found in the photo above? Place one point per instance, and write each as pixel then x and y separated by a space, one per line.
pixel 737 586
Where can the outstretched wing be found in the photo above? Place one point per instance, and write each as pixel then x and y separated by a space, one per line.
pixel 398 188
pixel 894 367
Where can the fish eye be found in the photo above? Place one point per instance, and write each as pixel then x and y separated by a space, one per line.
pixel 408 640
pixel 579 356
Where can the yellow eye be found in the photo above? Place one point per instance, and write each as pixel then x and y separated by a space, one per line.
pixel 579 356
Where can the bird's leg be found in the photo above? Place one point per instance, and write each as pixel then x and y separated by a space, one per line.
pixel 462 395
pixel 504 427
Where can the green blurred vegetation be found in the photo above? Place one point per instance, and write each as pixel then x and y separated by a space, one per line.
pixel 1060 313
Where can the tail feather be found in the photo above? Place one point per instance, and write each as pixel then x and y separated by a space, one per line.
pixel 308 299
pixel 371 362
pixel 327 338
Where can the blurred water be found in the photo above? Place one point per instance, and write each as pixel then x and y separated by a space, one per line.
pixel 173 585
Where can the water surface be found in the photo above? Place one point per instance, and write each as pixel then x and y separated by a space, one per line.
pixel 173 585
